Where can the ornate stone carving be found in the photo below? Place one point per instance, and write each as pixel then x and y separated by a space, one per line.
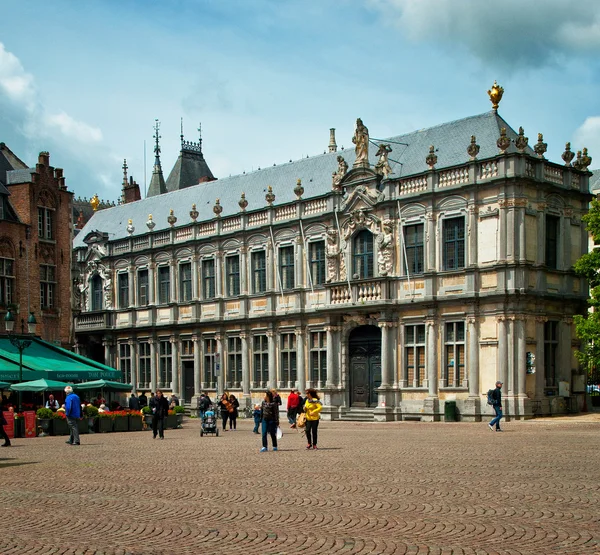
pixel 217 208
pixel 383 167
pixel 361 140
pixel 495 95
pixel 541 319
pixel 270 196
pixel 568 212
pixel 568 155
pixel 337 176
pixel 431 159
pixel 243 202
pixel 503 141
pixel 358 220
pixel 521 141
pixel 385 248
pixel 150 224
pixel 172 219
pixel 540 147
pixel 370 197
pixel 194 213
pixel 473 148
pixel 334 254
pixel 583 160
pixel 298 189
pixel 130 228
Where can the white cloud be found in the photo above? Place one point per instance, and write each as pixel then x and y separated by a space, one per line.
pixel 512 33
pixel 588 135
pixel 15 83
pixel 70 127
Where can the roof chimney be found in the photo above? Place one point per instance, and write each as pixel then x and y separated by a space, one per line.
pixel 332 144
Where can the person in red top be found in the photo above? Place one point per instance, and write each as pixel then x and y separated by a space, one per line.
pixel 293 404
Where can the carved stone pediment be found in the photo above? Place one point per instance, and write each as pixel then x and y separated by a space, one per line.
pixel 363 197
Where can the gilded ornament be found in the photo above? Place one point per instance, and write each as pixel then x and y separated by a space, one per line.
pixel 521 141
pixel 540 147
pixel 130 228
pixel 217 208
pixel 243 202
pixel 172 219
pixel 568 155
pixel 194 213
pixel 270 196
pixel 95 202
pixel 150 224
pixel 298 189
pixel 495 95
pixel 431 159
pixel 503 141
pixel 473 148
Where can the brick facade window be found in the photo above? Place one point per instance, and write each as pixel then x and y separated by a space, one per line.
pixel 289 368
pixel 234 361
pixel 261 360
pixel 286 267
pixel 185 282
pixel 47 285
pixel 208 278
pixel 414 354
pixel 7 280
pixel 45 223
pixel 455 354
pixel 318 357
pixel 125 361
pixel 259 271
pixel 317 262
pixel 165 365
pixel 145 367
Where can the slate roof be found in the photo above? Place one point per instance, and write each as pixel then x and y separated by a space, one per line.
pixel 19 176
pixel 157 185
pixel 407 158
pixel 595 182
pixel 8 162
pixel 190 168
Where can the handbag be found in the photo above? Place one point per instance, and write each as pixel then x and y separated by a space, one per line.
pixel 301 420
pixel 279 433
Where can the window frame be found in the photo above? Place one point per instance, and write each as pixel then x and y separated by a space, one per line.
pixel 550 352
pixel 414 349
pixel 96 293
pixel 165 363
pixel 362 256
pixel 144 364
pixel 164 285
pixel 234 362
pixel 125 365
pixel 47 287
pixel 453 344
pixel 551 245
pixel 260 370
pixel 46 223
pixel 259 273
pixel 457 244
pixel 185 282
pixel 123 290
pixel 208 278
pixel 318 262
pixel 288 358
pixel 143 288
pixel 317 354
pixel 7 280
pixel 415 250
pixel 232 275
pixel 208 358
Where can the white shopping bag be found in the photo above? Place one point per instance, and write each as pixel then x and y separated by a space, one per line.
pixel 279 433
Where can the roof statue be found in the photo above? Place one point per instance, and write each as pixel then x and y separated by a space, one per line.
pixel 361 140
pixel 383 167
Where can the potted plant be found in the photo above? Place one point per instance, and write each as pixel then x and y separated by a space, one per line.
pixel 59 423
pixel 135 421
pixel 147 412
pixel 121 421
pixel 171 421
pixel 44 417
pixel 179 413
pixel 105 422
pixel 91 413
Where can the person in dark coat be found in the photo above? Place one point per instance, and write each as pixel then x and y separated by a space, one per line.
pixel 134 402
pixel 233 415
pixel 3 433
pixel 226 411
pixel 497 400
pixel 269 412
pixel 143 400
pixel 160 409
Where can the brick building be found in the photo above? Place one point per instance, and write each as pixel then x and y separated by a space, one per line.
pixel 35 245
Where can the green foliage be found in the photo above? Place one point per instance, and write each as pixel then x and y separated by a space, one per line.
pixel 91 411
pixel 178 410
pixel 44 414
pixel 146 410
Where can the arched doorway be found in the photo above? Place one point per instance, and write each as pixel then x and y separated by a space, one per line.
pixel 364 347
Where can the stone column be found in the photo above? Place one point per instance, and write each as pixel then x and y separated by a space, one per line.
pixel 220 360
pixel 511 385
pixel 151 283
pixel 272 359
pixel 108 351
pixel 431 360
pixel 270 266
pixel 245 364
pixel 300 346
pixel 153 366
pixel 521 356
pixel 430 240
pixel 522 203
pixel 541 234
pixel 473 357
pixel 332 348
pixel 131 279
pixel 196 283
pixel 219 261
pixel 244 285
pixel 134 373
pixel 299 263
pixel 197 367
pixel 540 353
pixel 502 372
pixel 403 382
pixel 564 259
pixel 174 286
pixel 473 215
pixel 176 385
pixel 385 354
pixel 565 351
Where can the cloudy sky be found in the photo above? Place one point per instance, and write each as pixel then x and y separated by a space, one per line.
pixel 268 78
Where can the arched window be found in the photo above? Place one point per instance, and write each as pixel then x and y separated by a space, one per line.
pixel 96 291
pixel 363 255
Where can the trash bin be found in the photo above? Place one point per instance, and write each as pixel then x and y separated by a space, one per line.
pixel 450 411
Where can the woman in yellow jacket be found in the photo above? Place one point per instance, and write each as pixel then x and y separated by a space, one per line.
pixel 312 408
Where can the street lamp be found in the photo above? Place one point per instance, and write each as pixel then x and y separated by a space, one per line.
pixel 20 342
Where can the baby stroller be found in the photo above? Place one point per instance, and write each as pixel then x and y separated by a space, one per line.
pixel 209 424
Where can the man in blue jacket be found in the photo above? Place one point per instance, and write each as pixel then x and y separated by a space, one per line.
pixel 73 412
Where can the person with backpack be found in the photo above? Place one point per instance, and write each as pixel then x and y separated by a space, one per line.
pixel 494 398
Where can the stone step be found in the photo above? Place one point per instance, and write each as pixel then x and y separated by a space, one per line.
pixel 358 415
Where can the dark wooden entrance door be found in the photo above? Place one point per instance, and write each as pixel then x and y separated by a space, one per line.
pixel 365 366
pixel 188 381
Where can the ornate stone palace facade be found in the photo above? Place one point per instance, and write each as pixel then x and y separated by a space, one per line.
pixel 392 277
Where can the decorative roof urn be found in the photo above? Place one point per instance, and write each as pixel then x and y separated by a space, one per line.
pixel 298 189
pixel 243 202
pixel 473 148
pixel 270 196
pixel 521 141
pixel 194 213
pixel 150 224
pixel 540 147
pixel 503 141
pixel 583 160
pixel 217 208
pixel 130 228
pixel 172 219
pixel 568 155
pixel 431 158
pixel 95 202
pixel 495 95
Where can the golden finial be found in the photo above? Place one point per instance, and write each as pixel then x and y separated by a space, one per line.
pixel 95 202
pixel 495 95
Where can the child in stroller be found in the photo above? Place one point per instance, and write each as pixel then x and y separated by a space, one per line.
pixel 209 423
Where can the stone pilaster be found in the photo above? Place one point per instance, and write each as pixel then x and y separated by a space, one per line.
pixel 134 367
pixel 245 365
pixel 219 274
pixel 431 405
pixel 196 286
pixel 244 282
pixel 502 223
pixel 153 365
pixel 272 359
pixel 197 342
pixel 131 279
pixel 175 366
pixel 301 348
pixel 152 283
pixel 472 405
pixel 220 364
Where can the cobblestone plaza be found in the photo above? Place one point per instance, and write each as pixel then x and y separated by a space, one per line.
pixel 410 487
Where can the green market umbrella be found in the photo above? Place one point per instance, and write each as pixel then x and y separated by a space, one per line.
pixel 103 384
pixel 4 385
pixel 39 386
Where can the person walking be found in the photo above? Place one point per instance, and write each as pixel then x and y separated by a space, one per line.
pixel 269 415
pixel 256 415
pixel 276 396
pixel 3 433
pixel 73 413
pixel 312 409
pixel 226 409
pixel 160 409
pixel 235 404
pixel 203 404
pixel 134 402
pixel 293 401
pixel 496 397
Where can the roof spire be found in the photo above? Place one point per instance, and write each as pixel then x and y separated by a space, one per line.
pixel 125 172
pixel 200 136
pixel 181 136
pixel 157 183
pixel 332 143
pixel 156 146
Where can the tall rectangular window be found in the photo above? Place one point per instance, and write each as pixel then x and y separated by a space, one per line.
pixel 454 243
pixel 7 280
pixel 143 292
pixel 414 352
pixel 208 278
pixel 455 354
pixel 165 364
pixel 210 352
pixel 289 371
pixel 123 285
pixel 414 245
pixel 47 285
pixel 164 284
pixel 45 223
pixel 145 368
pixel 125 361
pixel 318 358
pixel 234 361
pixel 362 259
pixel 317 262
pixel 552 234
pixel 286 267
pixel 232 270
pixel 259 271
pixel 550 352
pixel 261 361
pixel 185 282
